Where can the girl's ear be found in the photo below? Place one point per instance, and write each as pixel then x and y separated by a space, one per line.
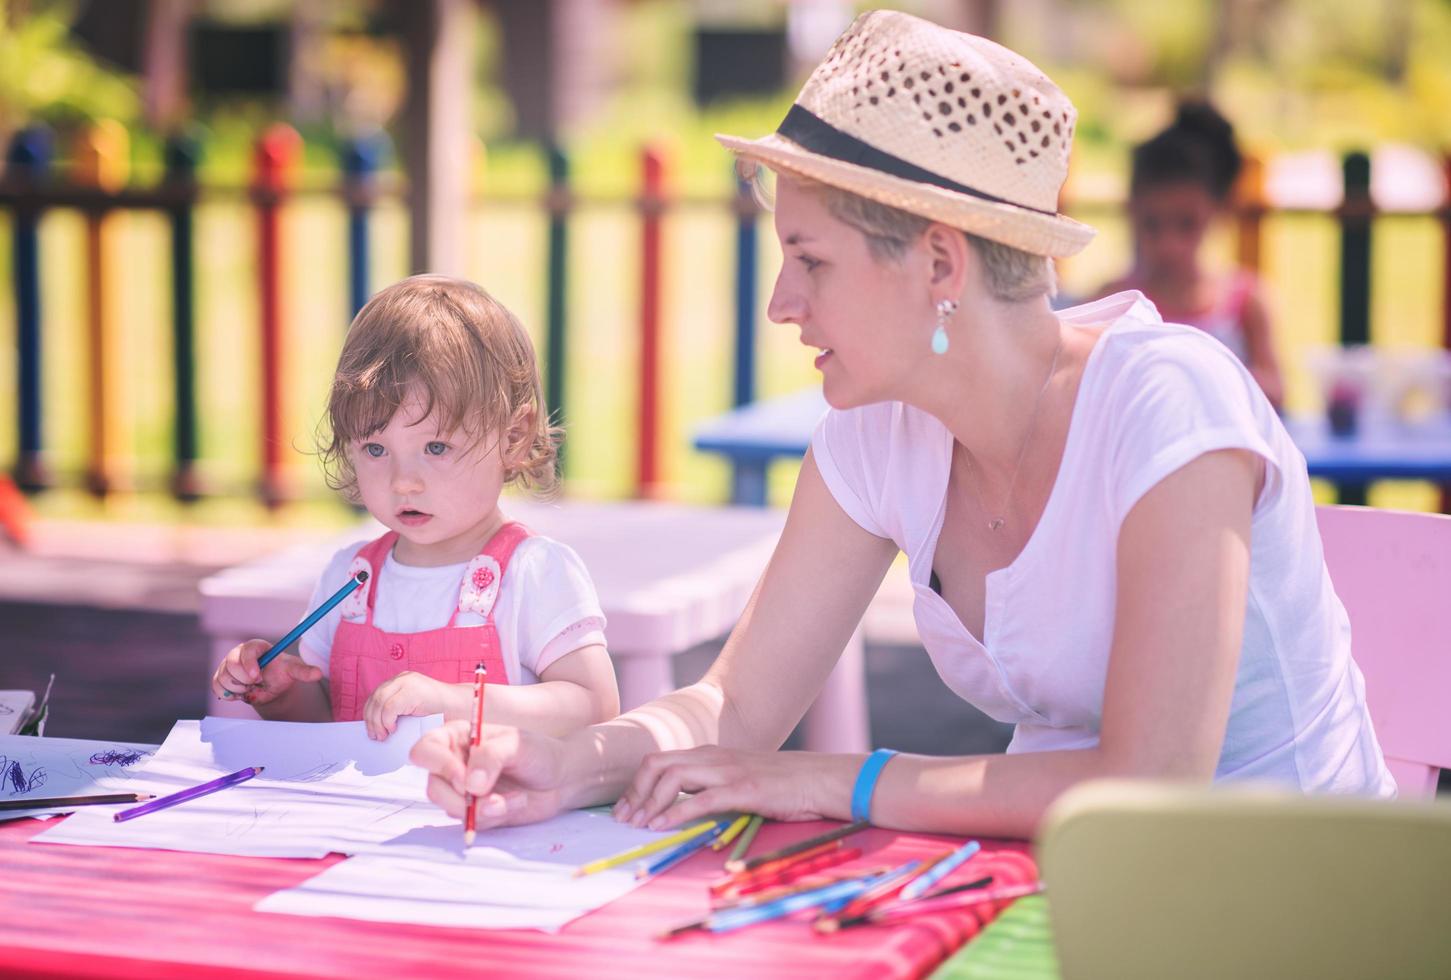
pixel 519 437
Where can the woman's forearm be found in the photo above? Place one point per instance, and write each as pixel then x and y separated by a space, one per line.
pixel 988 795
pixel 601 760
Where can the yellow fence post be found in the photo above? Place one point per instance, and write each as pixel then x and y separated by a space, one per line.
pixel 102 163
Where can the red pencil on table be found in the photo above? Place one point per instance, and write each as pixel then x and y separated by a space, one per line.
pixel 476 735
pixel 791 875
pixel 778 866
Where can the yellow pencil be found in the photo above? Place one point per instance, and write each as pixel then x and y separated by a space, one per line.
pixel 624 857
pixel 731 831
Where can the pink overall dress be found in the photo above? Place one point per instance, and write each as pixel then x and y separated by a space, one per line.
pixel 363 656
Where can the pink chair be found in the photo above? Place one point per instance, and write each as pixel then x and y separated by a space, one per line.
pixel 1393 572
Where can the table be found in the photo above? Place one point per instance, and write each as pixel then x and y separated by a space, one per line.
pixel 752 436
pixel 118 912
pixel 669 577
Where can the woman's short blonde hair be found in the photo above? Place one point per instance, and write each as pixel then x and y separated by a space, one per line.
pixel 467 355
pixel 1012 274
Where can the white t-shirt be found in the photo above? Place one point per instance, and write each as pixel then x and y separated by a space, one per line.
pixel 1153 397
pixel 546 605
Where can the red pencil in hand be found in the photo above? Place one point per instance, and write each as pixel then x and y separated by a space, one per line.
pixel 476 735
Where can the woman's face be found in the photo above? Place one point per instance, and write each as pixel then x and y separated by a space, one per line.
pixel 1169 222
pixel 849 305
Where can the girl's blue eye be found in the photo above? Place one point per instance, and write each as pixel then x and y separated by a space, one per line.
pixel 436 448
pixel 373 449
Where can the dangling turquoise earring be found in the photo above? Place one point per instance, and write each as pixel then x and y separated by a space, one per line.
pixel 945 309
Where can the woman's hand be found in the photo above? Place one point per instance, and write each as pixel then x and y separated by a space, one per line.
pixel 515 776
pixel 410 693
pixel 778 785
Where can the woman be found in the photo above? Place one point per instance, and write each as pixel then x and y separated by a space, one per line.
pixel 1111 537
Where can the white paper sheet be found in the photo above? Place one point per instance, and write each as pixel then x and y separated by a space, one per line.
pixel 512 877
pixel 327 787
pixel 38 768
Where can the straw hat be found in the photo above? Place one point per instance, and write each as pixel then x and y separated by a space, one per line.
pixel 942 124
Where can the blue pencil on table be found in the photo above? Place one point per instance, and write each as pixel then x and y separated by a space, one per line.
pixel 181 796
pixel 675 855
pixel 918 886
pixel 312 618
pixel 732 919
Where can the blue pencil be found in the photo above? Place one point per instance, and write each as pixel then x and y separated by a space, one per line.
pixel 679 853
pixel 919 885
pixel 732 919
pixel 312 618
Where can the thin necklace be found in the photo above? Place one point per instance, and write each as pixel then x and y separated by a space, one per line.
pixel 996 523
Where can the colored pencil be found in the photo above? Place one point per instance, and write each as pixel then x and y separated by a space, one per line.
pixel 918 886
pixel 731 832
pixel 738 853
pixel 833 924
pixel 928 906
pixel 476 735
pixel 886 886
pixel 798 847
pixel 740 916
pixel 205 789
pixel 312 618
pixel 794 873
pixel 625 857
pixel 679 853
pixel 802 884
pixel 775 867
pixel 57 802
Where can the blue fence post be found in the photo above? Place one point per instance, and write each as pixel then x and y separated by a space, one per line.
pixel 361 158
pixel 746 214
pixel 28 159
pixel 183 154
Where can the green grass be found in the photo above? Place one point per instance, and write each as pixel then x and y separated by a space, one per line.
pixel 506 254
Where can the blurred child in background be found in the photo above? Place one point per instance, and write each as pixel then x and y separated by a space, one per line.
pixel 1181 180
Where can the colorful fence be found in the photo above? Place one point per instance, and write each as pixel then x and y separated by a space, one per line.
pixel 97 185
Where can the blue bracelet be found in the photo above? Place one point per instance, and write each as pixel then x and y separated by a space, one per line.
pixel 866 783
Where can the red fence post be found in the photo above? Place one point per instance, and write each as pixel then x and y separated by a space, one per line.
pixel 652 203
pixel 274 162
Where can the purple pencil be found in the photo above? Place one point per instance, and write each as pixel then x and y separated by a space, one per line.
pixel 181 796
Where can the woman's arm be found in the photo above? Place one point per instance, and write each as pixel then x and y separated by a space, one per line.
pixel 1183 565
pixel 824 571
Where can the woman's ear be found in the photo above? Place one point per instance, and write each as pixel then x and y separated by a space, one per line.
pixel 949 257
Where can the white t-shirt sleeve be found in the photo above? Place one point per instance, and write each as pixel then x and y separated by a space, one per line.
pixel 1174 403
pixel 316 645
pixel 845 445
pixel 558 610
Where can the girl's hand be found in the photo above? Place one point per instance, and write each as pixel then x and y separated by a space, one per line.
pixel 515 776
pixel 408 693
pixel 238 678
pixel 778 785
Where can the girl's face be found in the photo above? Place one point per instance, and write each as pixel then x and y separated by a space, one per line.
pixel 1169 222
pixel 847 303
pixel 438 490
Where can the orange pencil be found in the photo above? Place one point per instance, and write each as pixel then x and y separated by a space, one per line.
pixel 476 735
pixel 797 871
pixel 775 867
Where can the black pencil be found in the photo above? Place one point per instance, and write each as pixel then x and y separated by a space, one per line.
pixel 57 802
pixel 735 867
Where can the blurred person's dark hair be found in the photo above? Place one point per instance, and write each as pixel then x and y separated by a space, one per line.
pixel 1197 147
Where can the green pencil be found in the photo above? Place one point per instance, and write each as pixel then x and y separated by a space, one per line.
pixel 743 843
